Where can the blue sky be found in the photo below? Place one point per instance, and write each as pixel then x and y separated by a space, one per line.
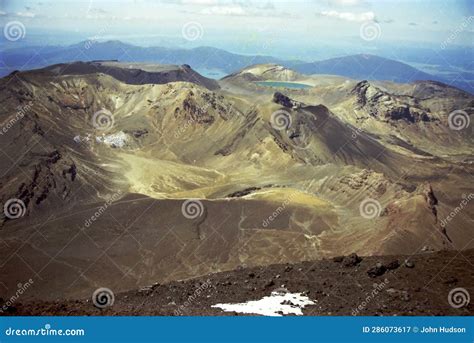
pixel 247 26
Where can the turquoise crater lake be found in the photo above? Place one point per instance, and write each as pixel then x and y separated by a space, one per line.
pixel 281 84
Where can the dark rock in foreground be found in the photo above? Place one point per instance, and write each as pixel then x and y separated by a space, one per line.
pixel 421 291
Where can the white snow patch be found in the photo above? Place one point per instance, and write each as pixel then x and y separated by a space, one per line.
pixel 80 139
pixel 117 140
pixel 275 305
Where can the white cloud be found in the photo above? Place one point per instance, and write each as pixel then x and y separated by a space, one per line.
pixel 3 13
pixel 228 7
pixel 192 2
pixel 345 2
pixel 200 2
pixel 25 14
pixel 349 16
pixel 97 10
pixel 224 10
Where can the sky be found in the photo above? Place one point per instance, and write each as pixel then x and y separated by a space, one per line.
pixel 287 28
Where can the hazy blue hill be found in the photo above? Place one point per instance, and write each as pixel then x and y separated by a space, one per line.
pixel 363 66
pixel 202 57
pixel 372 67
pixel 360 67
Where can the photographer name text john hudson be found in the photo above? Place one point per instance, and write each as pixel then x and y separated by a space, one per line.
pixel 442 329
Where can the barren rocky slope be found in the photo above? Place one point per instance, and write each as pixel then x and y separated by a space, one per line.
pixel 126 183
pixel 135 73
pixel 350 285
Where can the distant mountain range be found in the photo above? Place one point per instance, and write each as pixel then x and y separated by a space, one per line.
pixel 368 67
pixel 199 58
pixel 215 63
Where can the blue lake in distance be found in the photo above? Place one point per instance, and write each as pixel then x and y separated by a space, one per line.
pixel 282 84
pixel 215 74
